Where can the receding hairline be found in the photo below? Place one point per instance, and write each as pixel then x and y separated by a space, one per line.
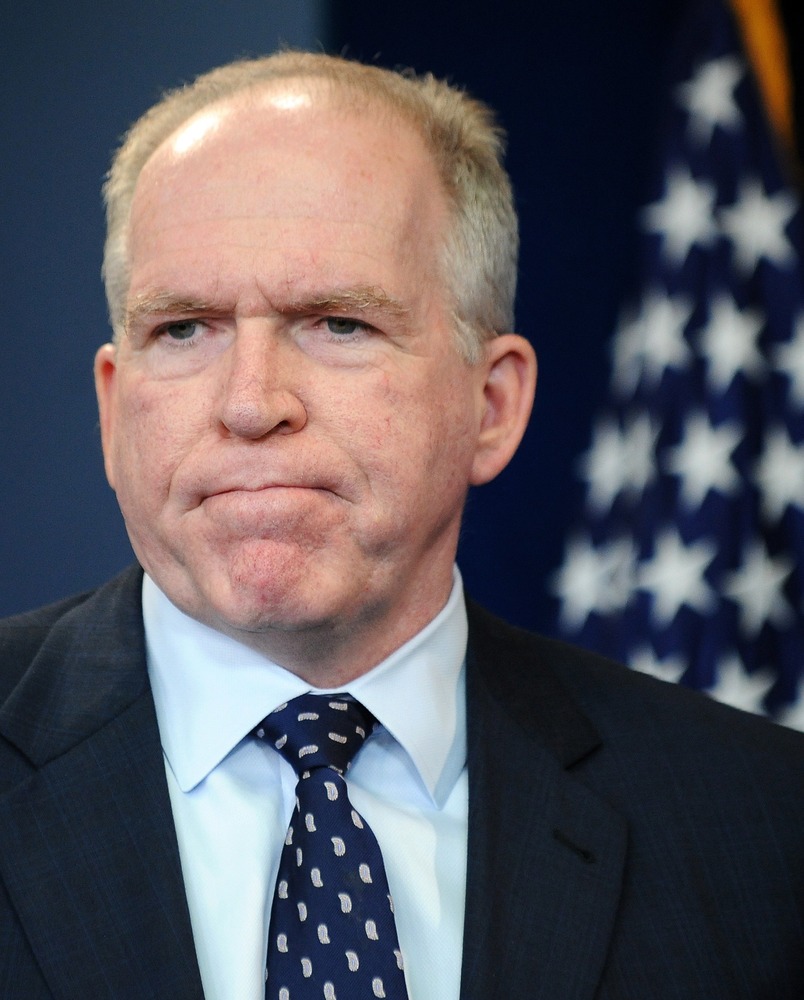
pixel 330 96
pixel 350 93
pixel 460 134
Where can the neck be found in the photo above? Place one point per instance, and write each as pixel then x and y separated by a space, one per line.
pixel 333 654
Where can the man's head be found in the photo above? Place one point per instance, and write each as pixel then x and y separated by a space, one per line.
pixel 481 242
pixel 289 419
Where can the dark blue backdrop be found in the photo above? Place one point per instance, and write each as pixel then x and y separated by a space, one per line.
pixel 577 84
pixel 72 79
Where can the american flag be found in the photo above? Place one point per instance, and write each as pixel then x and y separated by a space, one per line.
pixel 689 558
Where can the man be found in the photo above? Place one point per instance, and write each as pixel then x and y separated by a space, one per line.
pixel 310 269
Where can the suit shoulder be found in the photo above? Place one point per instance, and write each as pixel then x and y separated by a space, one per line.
pixel 23 635
pixel 622 698
pixel 39 619
pixel 627 706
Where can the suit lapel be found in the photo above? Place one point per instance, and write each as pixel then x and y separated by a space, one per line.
pixel 545 854
pixel 90 856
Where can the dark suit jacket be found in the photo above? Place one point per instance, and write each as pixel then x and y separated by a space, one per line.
pixel 627 839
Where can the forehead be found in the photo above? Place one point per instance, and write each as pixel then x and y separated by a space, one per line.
pixel 288 173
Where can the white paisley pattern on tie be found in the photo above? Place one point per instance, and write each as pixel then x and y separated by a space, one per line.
pixel 332 932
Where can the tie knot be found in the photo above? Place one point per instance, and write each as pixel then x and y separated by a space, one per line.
pixel 317 730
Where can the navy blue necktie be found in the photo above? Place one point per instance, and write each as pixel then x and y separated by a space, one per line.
pixel 332 933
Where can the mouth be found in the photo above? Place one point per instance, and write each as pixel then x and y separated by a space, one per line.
pixel 268 489
pixel 273 498
pixel 241 483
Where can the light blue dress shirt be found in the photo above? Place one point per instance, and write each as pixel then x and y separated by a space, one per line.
pixel 232 797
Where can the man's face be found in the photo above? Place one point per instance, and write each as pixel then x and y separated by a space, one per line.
pixel 287 423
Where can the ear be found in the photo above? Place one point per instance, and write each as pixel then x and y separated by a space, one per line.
pixel 106 392
pixel 510 383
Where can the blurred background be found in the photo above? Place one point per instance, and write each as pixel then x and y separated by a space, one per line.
pixel 592 98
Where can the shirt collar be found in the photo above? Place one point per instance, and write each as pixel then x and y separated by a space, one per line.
pixel 210 691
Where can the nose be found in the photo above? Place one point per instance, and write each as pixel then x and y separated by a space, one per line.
pixel 258 396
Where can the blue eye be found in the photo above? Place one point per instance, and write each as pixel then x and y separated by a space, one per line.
pixel 181 330
pixel 342 325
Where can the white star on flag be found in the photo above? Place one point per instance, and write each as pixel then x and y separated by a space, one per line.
pixel 603 466
pixel 639 468
pixel 703 459
pixel 756 224
pixel 684 216
pixel 737 688
pixel 594 579
pixel 619 460
pixel 780 474
pixel 675 576
pixel 663 345
pixel 696 468
pixel 709 97
pixel 671 668
pixel 789 359
pixel 757 588
pixel 729 342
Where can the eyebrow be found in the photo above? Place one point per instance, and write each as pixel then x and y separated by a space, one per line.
pixel 165 304
pixel 361 298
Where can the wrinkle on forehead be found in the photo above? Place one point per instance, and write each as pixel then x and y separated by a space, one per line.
pixel 298 210
pixel 357 300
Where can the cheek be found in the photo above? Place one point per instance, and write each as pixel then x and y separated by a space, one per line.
pixel 419 437
pixel 153 432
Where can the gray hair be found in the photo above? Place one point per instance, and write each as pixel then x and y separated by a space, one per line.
pixel 467 144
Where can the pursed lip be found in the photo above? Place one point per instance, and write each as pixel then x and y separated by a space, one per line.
pixel 206 478
pixel 267 490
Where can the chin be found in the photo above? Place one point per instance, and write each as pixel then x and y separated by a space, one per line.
pixel 263 588
pixel 272 605
pixel 265 616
